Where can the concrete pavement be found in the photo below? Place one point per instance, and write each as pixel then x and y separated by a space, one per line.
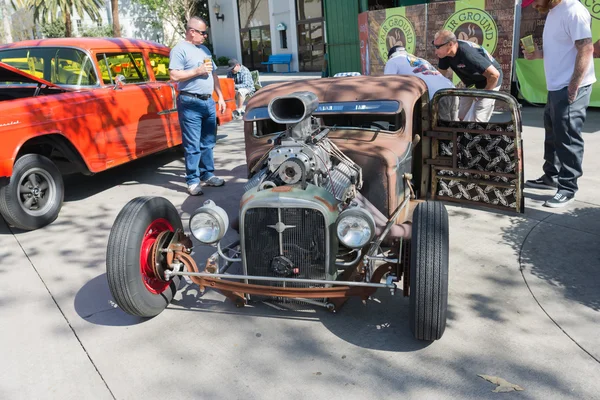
pixel 523 306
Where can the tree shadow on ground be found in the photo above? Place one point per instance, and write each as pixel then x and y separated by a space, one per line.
pixel 557 246
pixel 144 170
pixel 380 324
pixel 562 250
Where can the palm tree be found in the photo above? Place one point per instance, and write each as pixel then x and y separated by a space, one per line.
pixel 114 6
pixel 50 10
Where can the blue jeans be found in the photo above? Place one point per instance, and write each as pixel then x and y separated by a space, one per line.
pixel 563 144
pixel 198 121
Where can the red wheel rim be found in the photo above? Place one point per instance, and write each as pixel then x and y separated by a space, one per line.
pixel 152 283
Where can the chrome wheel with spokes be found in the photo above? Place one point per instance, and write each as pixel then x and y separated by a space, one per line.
pixel 36 191
pixel 33 197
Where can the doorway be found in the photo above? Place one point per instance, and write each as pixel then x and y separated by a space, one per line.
pixel 255 33
pixel 311 36
pixel 311 45
pixel 256 46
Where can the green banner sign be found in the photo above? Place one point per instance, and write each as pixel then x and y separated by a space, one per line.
pixel 488 23
pixel 530 73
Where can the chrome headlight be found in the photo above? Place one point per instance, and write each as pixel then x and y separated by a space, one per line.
pixel 355 227
pixel 209 223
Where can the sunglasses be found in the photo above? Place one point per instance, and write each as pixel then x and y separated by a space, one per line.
pixel 205 33
pixel 439 46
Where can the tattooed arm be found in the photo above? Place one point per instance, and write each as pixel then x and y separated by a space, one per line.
pixel 585 51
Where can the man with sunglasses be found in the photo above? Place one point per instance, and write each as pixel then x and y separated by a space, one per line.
pixel 475 67
pixel 191 66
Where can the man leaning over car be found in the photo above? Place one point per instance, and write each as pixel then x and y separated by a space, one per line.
pixel 192 67
pixel 475 67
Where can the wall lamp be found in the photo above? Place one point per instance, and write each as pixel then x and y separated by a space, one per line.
pixel 217 10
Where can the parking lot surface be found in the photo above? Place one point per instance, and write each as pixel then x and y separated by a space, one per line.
pixel 523 305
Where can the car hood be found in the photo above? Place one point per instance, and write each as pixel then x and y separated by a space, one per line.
pixel 12 74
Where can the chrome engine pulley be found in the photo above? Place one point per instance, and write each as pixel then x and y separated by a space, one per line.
pixel 292 171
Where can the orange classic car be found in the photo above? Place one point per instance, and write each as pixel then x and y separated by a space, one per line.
pixel 80 105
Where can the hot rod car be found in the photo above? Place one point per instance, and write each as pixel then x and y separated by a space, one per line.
pixel 345 178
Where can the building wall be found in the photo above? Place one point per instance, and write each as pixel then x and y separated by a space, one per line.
pixel 284 12
pixel 225 34
pixel 343 45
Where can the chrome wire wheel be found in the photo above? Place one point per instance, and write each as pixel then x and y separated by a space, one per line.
pixel 37 191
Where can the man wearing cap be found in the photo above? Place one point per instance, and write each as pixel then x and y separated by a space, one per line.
pixel 400 62
pixel 475 67
pixel 191 66
pixel 244 85
pixel 569 67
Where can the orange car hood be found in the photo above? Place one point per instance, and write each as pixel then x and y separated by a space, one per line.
pixel 12 74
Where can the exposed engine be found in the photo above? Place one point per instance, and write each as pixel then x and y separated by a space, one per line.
pixel 303 154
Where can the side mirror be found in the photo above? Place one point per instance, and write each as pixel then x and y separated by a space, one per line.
pixel 119 82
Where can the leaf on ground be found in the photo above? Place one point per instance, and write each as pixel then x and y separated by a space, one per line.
pixel 503 385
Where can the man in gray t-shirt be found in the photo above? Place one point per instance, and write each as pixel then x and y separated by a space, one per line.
pixel 568 53
pixel 192 67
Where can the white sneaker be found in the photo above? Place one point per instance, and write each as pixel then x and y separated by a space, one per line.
pixel 194 189
pixel 214 181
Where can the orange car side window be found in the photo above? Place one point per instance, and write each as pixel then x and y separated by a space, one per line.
pixel 160 66
pixel 130 65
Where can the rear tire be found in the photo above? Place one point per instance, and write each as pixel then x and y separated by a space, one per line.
pixel 135 288
pixel 429 271
pixel 34 195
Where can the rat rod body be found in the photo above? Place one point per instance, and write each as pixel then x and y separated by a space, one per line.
pixel 331 208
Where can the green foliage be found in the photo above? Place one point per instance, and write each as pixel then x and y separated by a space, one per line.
pixel 94 31
pixel 54 29
pixel 222 61
pixel 51 10
pixel 177 11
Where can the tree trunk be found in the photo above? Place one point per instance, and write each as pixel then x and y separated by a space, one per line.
pixel 114 6
pixel 5 10
pixel 68 24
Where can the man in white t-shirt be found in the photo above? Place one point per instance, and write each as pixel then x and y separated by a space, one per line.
pixel 568 63
pixel 400 62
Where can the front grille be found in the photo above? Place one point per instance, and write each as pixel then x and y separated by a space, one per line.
pixel 304 244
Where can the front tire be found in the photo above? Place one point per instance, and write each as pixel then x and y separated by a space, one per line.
pixel 131 279
pixel 429 271
pixel 34 196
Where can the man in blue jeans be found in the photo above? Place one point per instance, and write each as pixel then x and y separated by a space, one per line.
pixel 569 66
pixel 192 67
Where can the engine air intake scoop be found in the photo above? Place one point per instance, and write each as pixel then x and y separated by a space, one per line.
pixel 293 108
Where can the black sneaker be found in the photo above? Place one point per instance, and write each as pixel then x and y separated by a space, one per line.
pixel 559 200
pixel 543 182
